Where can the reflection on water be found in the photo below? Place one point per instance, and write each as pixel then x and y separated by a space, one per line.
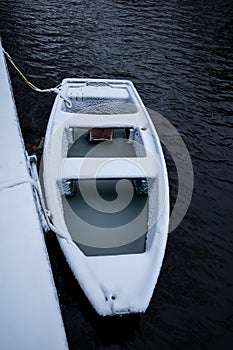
pixel 179 56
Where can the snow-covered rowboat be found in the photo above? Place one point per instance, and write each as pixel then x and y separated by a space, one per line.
pixel 106 188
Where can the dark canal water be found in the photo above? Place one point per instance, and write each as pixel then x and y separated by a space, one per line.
pixel 179 56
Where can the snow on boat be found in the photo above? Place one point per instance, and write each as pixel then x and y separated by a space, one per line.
pixel 106 188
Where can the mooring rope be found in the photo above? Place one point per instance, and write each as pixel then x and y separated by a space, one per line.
pixel 32 86
pixel 56 89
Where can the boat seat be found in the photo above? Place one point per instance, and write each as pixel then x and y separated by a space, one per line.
pixel 100 134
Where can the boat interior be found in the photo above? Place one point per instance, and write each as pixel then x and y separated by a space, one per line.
pixel 83 219
pixel 105 142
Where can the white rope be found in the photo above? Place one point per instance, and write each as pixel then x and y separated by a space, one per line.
pixel 33 183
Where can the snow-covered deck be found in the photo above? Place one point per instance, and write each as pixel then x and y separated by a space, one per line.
pixel 30 316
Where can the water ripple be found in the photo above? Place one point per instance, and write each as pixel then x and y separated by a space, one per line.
pixel 179 55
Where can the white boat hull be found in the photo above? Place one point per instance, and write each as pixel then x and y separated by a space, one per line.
pixel 116 280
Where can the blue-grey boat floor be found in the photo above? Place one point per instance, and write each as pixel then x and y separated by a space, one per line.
pixel 84 221
pixel 116 148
